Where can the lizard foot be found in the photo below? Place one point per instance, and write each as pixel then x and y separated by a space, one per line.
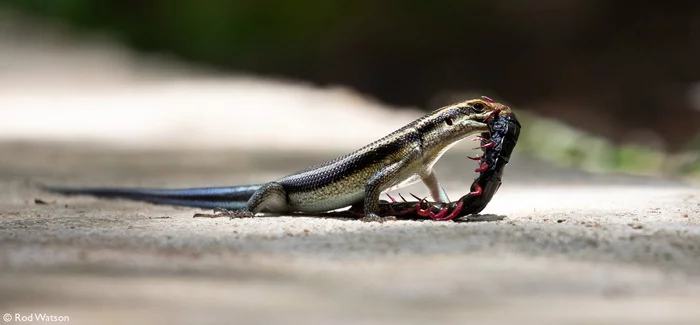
pixel 240 214
pixel 223 213
pixel 375 218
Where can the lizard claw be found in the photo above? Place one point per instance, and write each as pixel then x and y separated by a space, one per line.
pixel 376 218
pixel 240 214
pixel 222 210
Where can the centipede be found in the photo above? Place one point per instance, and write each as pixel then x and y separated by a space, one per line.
pixel 497 146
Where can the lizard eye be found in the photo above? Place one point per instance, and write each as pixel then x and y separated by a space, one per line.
pixel 448 121
pixel 478 107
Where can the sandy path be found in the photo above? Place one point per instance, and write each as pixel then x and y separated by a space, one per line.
pixel 558 252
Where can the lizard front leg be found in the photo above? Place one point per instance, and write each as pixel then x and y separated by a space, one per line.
pixel 437 192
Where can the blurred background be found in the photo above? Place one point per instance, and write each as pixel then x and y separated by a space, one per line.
pixel 599 85
pixel 595 219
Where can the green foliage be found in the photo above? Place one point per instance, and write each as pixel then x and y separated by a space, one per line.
pixel 261 36
pixel 227 33
pixel 566 146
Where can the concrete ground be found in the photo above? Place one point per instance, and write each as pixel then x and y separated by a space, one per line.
pixel 552 249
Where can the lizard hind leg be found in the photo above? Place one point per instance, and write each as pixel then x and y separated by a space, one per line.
pixel 270 197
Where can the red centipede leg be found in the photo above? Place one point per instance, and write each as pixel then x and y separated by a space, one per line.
pixel 420 211
pixel 440 215
pixel 482 168
pixel 454 212
pixel 391 198
pixel 498 111
pixel 490 144
pixel 476 191
pixel 403 198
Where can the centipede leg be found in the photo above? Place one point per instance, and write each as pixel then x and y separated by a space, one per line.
pixel 419 208
pixel 454 212
pixel 476 191
pixel 440 215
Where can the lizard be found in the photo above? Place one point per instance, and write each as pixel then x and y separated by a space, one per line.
pixel 402 157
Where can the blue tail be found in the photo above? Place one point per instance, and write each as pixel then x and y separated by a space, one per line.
pixel 230 198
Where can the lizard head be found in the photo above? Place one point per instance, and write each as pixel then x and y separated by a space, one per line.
pixel 447 125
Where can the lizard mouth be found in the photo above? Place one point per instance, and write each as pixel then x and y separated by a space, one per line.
pixel 485 120
pixel 490 115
